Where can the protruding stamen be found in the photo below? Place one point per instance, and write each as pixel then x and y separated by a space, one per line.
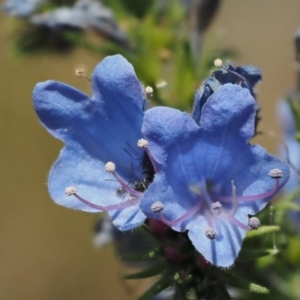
pixel 70 190
pixel 81 73
pixel 218 63
pixel 142 143
pixel 238 223
pixel 121 205
pixel 253 197
pixel 210 233
pixel 149 90
pixel 157 207
pixel 234 200
pixel 254 223
pixel 185 216
pixel 110 167
pixel 275 173
pixel 216 208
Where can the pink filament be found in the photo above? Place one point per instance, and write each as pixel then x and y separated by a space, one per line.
pixel 252 198
pixel 153 162
pixel 108 207
pixel 126 186
pixel 239 224
pixel 188 214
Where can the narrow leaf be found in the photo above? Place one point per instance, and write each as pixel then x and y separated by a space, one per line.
pixel 237 282
pixel 261 231
pixel 158 287
pixel 252 254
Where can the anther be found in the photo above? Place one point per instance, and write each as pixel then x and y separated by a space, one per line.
pixel 253 223
pixel 80 73
pixel 218 63
pixel 275 173
pixel 149 90
pixel 70 190
pixel 142 143
pixel 110 167
pixel 210 233
pixel 216 208
pixel 157 207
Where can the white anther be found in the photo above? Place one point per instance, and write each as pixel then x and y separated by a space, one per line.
pixel 216 205
pixel 142 143
pixel 157 207
pixel 276 173
pixel 254 223
pixel 216 208
pixel 149 90
pixel 218 63
pixel 210 233
pixel 110 167
pixel 80 72
pixel 70 190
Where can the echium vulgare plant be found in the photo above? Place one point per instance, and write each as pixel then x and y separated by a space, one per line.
pixel 193 180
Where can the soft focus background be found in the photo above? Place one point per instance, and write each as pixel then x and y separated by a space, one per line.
pixel 46 250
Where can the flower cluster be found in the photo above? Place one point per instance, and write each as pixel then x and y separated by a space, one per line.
pixel 195 173
pixel 82 15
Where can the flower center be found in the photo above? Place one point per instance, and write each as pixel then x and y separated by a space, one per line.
pixel 135 189
pixel 214 210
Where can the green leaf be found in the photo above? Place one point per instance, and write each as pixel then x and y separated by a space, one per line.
pixel 252 254
pixel 158 287
pixel 237 282
pixel 150 272
pixel 262 230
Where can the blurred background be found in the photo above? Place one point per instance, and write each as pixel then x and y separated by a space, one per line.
pixel 46 251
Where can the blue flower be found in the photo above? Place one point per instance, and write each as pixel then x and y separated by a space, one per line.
pixel 21 8
pixel 210 181
pixel 247 76
pixel 84 14
pixel 99 133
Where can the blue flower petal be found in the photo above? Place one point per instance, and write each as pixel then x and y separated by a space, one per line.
pixel 21 8
pixel 95 131
pixel 163 127
pixel 204 160
pixel 224 249
pixel 230 111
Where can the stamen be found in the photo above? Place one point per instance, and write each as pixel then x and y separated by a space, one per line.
pixel 72 191
pixel 110 167
pixel 218 63
pixel 149 90
pixel 238 223
pixel 276 173
pixel 234 200
pixel 216 208
pixel 210 233
pixel 254 223
pixel 142 143
pixel 157 207
pixel 81 73
pixel 185 216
